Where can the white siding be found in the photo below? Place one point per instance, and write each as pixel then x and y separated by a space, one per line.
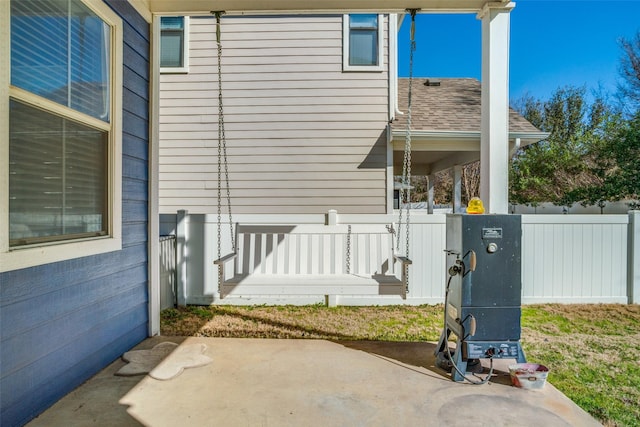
pixel 302 135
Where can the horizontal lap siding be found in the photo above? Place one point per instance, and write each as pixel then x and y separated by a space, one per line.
pixel 302 136
pixel 63 322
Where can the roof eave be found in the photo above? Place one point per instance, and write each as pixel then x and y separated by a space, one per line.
pixel 526 138
pixel 195 7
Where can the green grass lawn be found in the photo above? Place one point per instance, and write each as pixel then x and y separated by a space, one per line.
pixel 592 351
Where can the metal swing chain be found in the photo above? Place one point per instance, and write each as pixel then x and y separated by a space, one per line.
pixel 222 148
pixel 406 163
pixel 348 257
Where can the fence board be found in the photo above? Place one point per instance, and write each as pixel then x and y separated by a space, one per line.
pixel 167 250
pixel 571 258
pixel 565 258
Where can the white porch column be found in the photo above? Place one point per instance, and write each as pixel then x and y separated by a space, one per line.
pixel 431 179
pixel 457 188
pixel 494 139
pixel 154 181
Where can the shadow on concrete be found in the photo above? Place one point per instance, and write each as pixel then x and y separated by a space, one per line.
pixel 311 383
pixel 98 400
pixel 421 355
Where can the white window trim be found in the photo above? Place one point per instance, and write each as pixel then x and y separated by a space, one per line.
pixel 30 256
pixel 185 52
pixel 345 47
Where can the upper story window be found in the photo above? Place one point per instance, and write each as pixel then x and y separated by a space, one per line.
pixel 64 144
pixel 363 42
pixel 174 44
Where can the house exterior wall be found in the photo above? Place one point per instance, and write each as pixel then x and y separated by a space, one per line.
pixel 302 135
pixel 63 322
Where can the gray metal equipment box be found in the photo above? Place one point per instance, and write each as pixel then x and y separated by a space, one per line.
pixel 483 292
pixel 491 293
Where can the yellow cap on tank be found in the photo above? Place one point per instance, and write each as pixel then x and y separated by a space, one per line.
pixel 475 206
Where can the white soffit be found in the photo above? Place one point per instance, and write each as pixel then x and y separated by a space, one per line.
pixel 197 7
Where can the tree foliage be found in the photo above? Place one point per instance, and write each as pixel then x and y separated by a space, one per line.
pixel 630 70
pixel 443 185
pixel 591 156
pixel 616 163
pixel 556 169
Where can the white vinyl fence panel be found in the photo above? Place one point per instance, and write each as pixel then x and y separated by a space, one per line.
pixel 197 249
pixel 574 258
pixel 565 258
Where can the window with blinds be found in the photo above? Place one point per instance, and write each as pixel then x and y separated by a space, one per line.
pixel 363 39
pixel 173 43
pixel 59 122
pixel 362 42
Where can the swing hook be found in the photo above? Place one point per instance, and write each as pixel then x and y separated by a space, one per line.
pixel 413 12
pixel 218 14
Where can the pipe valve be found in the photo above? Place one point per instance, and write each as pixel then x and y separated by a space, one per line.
pixel 456 268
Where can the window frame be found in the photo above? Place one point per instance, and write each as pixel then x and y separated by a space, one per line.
pixel 13 258
pixel 346 32
pixel 185 47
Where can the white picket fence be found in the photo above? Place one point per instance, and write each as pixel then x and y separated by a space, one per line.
pixel 565 258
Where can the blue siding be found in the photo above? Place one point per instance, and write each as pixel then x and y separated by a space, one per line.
pixel 63 322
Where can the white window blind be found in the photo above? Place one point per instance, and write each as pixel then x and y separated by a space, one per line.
pixel 172 41
pixel 57 177
pixel 58 159
pixel 60 51
pixel 363 40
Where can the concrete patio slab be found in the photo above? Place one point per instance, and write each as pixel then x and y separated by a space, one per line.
pixel 259 382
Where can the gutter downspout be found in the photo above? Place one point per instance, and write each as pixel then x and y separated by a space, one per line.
pixel 393 67
pixel 393 103
pixel 397 23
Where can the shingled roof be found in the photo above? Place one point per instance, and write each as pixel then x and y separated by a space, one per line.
pixel 454 105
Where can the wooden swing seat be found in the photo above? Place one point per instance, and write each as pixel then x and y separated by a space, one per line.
pixel 313 259
pixel 333 259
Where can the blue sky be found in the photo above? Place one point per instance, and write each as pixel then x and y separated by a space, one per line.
pixel 554 43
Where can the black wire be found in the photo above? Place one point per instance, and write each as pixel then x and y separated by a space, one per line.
pixel 446 343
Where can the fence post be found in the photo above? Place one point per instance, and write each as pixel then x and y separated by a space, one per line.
pixel 167 249
pixel 431 180
pixel 457 189
pixel 182 237
pixel 633 261
pixel 332 217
